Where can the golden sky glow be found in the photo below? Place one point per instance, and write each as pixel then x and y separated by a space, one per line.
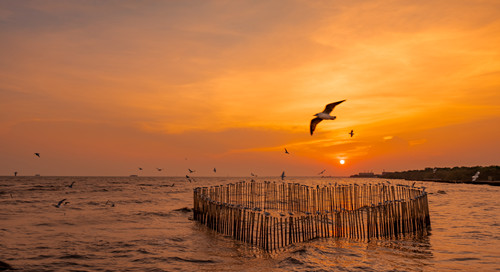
pixel 101 88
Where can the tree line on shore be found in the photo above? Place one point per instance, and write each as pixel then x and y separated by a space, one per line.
pixel 459 174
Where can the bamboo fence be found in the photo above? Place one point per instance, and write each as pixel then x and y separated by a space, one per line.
pixel 273 215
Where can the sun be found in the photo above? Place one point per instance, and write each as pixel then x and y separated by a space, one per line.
pixel 342 161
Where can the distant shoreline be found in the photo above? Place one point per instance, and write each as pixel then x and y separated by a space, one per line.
pixel 489 175
pixel 487 182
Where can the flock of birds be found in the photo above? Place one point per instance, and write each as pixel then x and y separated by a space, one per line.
pixel 324 115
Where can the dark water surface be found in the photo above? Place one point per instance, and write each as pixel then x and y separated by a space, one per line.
pixel 147 229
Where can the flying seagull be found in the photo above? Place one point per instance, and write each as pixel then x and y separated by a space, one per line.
pixel 474 178
pixel 325 115
pixel 71 185
pixel 140 168
pixel 15 174
pixel 320 173
pixel 215 170
pixel 283 175
pixel 59 203
pixel 159 169
pixel 351 133
pixel 286 151
pixel 191 171
pixel 37 154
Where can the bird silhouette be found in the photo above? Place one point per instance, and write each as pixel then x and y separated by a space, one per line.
pixel 15 174
pixel 283 175
pixel 215 170
pixel 351 133
pixel 71 185
pixel 159 169
pixel 191 171
pixel 140 168
pixel 37 154
pixel 320 173
pixel 59 203
pixel 286 151
pixel 325 115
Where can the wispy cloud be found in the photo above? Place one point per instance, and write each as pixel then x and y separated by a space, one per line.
pixel 246 77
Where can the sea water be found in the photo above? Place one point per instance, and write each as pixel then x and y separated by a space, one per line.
pixel 145 224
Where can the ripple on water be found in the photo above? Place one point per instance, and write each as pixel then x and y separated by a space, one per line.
pixel 74 256
pixel 172 260
pixel 463 259
pixel 160 214
pixel 291 260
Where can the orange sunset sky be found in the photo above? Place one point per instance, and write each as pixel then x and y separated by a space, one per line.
pixel 105 87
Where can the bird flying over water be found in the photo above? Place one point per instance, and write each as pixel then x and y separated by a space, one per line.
pixel 320 173
pixel 37 154
pixel 283 175
pixel 351 133
pixel 71 185
pixel 286 151
pixel 15 174
pixel 325 115
pixel 191 171
pixel 215 170
pixel 59 203
pixel 159 169
pixel 140 168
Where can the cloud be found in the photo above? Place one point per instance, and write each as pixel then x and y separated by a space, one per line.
pixel 244 78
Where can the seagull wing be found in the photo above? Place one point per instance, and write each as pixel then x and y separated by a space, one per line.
pixel 60 202
pixel 330 106
pixel 314 123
